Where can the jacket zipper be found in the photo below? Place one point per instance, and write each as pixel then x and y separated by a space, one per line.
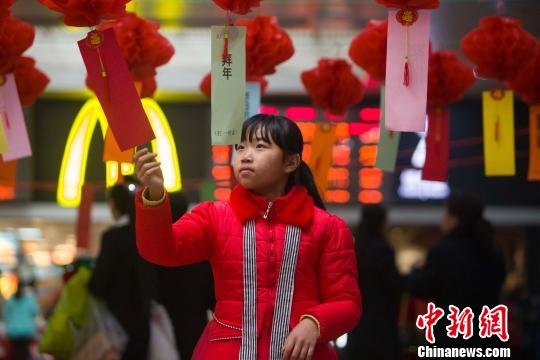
pixel 267 212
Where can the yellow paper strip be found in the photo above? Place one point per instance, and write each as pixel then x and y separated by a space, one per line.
pixel 534 143
pixel 4 147
pixel 321 154
pixel 498 121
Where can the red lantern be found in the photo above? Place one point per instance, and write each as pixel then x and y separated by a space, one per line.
pixel 148 86
pixel 527 83
pixel 333 86
pixel 410 4
pixel 31 82
pixel 143 47
pixel 500 48
pixel 267 45
pixel 240 7
pixel 15 37
pixel 87 12
pixel 4 8
pixel 448 78
pixel 206 84
pixel 368 49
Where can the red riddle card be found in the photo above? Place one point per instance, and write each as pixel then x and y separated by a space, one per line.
pixel 437 147
pixel 110 78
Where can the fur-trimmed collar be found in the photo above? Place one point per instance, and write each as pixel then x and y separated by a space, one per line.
pixel 293 208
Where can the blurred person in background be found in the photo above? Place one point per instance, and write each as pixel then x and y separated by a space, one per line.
pixel 376 337
pixel 122 278
pixel 464 269
pixel 187 292
pixel 20 313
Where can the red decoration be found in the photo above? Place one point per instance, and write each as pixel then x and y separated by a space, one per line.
pixel 31 82
pixel 240 7
pixel 500 48
pixel 410 4
pixel 206 84
pixel 4 8
pixel 407 17
pixel 368 49
pixel 527 83
pixel 437 145
pixel 267 45
pixel 143 47
pixel 448 78
pixel 87 12
pixel 15 37
pixel 333 86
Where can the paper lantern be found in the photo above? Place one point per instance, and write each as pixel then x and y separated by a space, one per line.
pixel 333 86
pixel 87 12
pixel 240 7
pixel 15 37
pixel 500 48
pixel 31 82
pixel 368 49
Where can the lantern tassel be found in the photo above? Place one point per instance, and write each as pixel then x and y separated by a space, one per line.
pixel 406 74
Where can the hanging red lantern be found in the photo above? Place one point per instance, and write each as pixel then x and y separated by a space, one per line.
pixel 206 84
pixel 333 86
pixel 267 45
pixel 5 5
pixel 410 4
pixel 240 7
pixel 448 78
pixel 368 49
pixel 15 37
pixel 143 47
pixel 500 48
pixel 527 82
pixel 85 12
pixel 31 82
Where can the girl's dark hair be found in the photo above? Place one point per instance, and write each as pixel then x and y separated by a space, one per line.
pixel 287 135
pixel 469 210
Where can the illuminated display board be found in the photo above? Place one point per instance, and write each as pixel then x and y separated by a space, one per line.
pixel 351 178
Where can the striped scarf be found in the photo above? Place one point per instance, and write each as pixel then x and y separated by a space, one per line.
pixel 284 295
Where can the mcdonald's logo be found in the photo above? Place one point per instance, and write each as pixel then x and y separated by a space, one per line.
pixel 74 161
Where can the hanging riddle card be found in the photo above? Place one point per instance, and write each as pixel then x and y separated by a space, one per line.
pixel 114 87
pixel 111 151
pixel 322 148
pixel 228 83
pixel 13 121
pixel 437 150
pixel 534 143
pixel 407 55
pixel 388 146
pixel 498 114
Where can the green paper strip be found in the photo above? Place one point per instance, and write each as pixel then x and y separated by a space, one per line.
pixel 388 146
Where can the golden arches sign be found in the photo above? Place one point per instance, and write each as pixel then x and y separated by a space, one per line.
pixel 75 156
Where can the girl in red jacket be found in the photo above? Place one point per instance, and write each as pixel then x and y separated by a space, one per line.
pixel 284 268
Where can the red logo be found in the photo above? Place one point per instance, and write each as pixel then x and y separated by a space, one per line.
pixel 494 322
pixel 460 322
pixel 429 320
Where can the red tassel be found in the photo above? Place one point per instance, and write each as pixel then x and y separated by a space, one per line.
pixel 225 47
pixel 390 134
pixel 406 72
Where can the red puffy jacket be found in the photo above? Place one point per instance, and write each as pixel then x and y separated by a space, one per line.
pixel 326 284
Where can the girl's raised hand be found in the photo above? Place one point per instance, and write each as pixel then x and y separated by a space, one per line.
pixel 149 173
pixel 301 342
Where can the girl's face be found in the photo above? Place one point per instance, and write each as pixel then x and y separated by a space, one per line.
pixel 261 166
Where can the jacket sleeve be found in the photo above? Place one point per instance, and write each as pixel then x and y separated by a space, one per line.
pixel 341 303
pixel 185 242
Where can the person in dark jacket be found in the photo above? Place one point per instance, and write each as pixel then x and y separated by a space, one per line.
pixel 187 292
pixel 122 278
pixel 376 337
pixel 464 269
